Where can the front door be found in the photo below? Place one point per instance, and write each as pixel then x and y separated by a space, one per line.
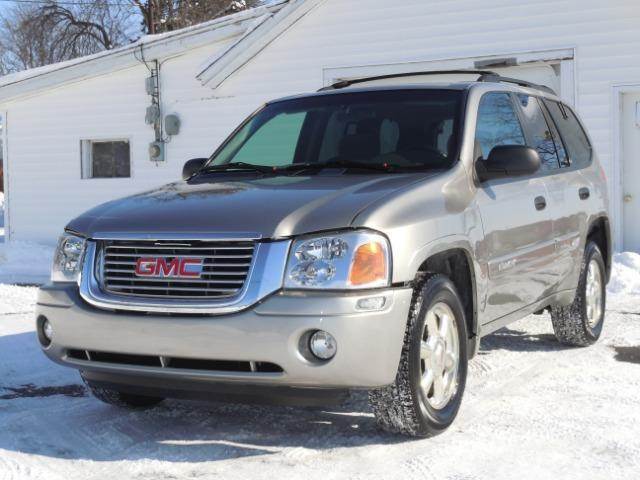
pixel 630 123
pixel 519 245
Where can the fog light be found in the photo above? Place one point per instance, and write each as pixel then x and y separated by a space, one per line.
pixel 370 303
pixel 323 345
pixel 47 330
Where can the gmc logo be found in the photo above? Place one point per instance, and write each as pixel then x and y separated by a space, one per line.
pixel 178 267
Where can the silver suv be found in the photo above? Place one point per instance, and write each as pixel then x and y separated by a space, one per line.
pixel 354 238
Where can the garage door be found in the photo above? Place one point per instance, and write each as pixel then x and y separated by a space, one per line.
pixel 540 73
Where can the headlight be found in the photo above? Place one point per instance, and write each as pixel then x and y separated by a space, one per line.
pixel 67 261
pixel 350 260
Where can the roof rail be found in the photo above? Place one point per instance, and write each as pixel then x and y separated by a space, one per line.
pixel 495 77
pixel 483 76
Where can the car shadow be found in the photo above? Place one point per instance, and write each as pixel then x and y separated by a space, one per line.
pixel 520 341
pixel 45 410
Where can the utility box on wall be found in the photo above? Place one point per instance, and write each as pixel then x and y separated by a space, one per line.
pixel 156 151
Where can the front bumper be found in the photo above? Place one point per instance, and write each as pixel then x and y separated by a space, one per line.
pixel 368 353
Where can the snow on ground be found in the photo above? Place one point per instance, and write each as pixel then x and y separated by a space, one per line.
pixel 533 409
pixel 25 262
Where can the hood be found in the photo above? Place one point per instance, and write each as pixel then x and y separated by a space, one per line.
pixel 269 207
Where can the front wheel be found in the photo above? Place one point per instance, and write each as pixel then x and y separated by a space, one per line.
pixel 580 324
pixel 426 395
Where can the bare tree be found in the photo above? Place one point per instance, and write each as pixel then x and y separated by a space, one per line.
pixel 36 34
pixel 167 15
pixel 32 35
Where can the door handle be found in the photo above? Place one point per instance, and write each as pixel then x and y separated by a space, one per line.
pixel 540 203
pixel 584 193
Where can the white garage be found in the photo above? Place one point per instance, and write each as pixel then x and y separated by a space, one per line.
pixel 76 134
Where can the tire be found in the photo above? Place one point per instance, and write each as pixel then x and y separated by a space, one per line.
pixel 121 399
pixel 580 324
pixel 406 407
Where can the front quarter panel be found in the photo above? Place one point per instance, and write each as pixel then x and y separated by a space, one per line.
pixel 433 216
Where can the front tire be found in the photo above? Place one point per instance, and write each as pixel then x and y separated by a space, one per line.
pixel 427 392
pixel 580 324
pixel 121 399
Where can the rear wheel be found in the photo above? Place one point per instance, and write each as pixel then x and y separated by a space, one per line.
pixel 426 395
pixel 121 399
pixel 580 324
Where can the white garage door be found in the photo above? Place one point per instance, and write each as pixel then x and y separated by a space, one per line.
pixel 540 74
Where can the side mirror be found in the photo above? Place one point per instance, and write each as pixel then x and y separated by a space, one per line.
pixel 192 166
pixel 507 161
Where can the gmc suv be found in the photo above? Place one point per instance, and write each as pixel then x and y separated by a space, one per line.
pixel 353 238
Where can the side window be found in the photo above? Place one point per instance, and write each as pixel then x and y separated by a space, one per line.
pixel 275 142
pixel 541 137
pixel 572 133
pixel 105 159
pixel 497 123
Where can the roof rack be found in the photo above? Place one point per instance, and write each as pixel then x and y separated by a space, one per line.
pixel 496 77
pixel 483 76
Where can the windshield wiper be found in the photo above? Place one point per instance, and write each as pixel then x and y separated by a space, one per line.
pixel 336 164
pixel 237 166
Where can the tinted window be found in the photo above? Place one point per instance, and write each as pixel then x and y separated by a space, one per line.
pixel 540 136
pixel 497 123
pixel 275 143
pixel 571 132
pixel 402 129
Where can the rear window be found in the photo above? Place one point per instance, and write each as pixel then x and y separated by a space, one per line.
pixel 572 133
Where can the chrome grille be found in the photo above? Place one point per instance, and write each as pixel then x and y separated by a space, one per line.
pixel 225 267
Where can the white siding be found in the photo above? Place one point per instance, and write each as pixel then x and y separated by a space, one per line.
pixel 45 185
pixel 45 130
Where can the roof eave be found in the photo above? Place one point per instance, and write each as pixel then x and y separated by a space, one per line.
pixel 163 46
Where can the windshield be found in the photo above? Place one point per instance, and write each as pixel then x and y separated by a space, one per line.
pixel 394 129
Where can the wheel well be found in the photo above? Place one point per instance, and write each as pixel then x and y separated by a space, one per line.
pixel 457 266
pixel 599 234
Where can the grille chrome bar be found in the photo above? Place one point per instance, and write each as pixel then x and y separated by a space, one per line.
pixel 265 276
pixel 173 246
pixel 204 272
pixel 118 261
pixel 172 288
pixel 139 254
pixel 177 280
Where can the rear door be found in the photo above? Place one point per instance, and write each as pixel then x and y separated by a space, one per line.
pixel 543 136
pixel 518 245
pixel 572 188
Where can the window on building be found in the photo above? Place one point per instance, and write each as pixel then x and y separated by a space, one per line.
pixel 542 138
pixel 497 123
pixel 105 158
pixel 572 133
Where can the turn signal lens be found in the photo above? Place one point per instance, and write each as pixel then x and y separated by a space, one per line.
pixel 369 266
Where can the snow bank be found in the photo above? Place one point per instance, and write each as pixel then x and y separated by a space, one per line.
pixel 624 287
pixel 25 262
pixel 1 214
pixel 625 277
pixel 14 299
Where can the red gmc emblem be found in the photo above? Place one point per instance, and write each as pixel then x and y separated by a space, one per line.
pixel 178 267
